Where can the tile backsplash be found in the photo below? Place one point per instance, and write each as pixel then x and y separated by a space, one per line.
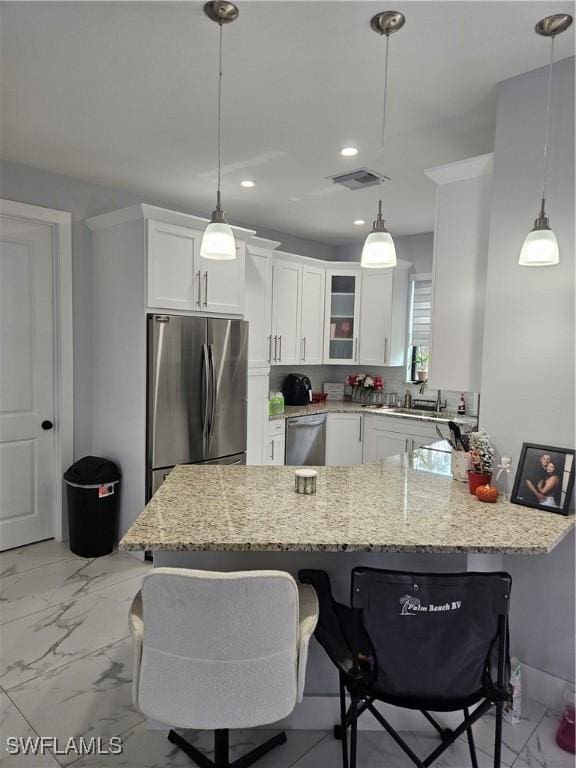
pixel 394 381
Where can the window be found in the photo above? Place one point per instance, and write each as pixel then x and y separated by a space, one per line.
pixel 420 328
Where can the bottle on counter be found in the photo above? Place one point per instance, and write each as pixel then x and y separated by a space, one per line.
pixel 505 470
pixel 407 399
pixel 276 404
pixel 462 405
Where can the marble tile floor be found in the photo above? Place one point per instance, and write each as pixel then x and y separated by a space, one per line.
pixel 66 671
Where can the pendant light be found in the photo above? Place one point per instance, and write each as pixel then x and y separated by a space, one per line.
pixel 540 248
pixel 379 251
pixel 218 239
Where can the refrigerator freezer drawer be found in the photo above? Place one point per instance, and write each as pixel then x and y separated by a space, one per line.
pixel 159 475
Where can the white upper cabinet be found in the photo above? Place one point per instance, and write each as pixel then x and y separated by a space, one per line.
pixel 177 277
pixel 222 283
pixel 459 272
pixel 342 315
pixel 286 308
pixel 383 314
pixel 174 281
pixel 259 301
pixel 376 317
pixel 312 314
pixel 297 311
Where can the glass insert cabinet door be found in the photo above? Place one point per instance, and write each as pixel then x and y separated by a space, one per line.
pixel 342 311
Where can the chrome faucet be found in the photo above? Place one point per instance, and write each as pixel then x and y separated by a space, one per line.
pixel 439 404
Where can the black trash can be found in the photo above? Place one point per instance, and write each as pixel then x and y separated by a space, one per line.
pixel 93 490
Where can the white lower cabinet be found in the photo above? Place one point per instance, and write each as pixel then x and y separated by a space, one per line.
pixel 274 445
pixel 344 439
pixel 257 419
pixel 385 436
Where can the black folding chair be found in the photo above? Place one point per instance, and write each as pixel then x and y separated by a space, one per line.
pixel 431 642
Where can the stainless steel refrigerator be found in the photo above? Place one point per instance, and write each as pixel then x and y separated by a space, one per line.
pixel 197 383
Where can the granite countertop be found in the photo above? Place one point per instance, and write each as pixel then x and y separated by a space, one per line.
pixel 341 406
pixel 381 507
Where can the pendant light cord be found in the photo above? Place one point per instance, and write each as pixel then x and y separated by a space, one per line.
pixel 384 116
pixel 547 129
pixel 219 111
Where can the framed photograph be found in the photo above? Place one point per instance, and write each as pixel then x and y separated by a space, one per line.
pixel 545 478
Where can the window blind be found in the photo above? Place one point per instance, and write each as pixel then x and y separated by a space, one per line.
pixel 421 321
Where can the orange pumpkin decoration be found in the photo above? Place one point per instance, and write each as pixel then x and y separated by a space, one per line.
pixel 487 493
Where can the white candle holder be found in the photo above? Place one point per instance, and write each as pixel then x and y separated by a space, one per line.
pixel 305 481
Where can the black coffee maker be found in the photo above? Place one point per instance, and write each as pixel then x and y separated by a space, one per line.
pixel 297 389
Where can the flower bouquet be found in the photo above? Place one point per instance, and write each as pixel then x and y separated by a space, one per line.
pixel 364 387
pixel 481 460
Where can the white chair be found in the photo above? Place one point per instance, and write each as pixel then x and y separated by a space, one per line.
pixel 215 651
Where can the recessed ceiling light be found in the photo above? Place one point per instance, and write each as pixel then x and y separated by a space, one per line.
pixel 348 151
pixel 247 183
pixel 359 222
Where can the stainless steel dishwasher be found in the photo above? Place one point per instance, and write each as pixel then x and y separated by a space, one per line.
pixel 306 440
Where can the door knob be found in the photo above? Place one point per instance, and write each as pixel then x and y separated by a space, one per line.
pixel 47 424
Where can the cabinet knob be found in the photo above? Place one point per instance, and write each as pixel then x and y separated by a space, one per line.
pixel 46 425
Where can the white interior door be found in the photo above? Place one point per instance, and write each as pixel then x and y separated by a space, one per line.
pixel 27 450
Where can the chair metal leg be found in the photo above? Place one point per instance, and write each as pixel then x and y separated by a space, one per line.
pixel 222 750
pixel 444 733
pixel 397 738
pixel 343 727
pixel 498 735
pixel 221 746
pixel 353 731
pixel 259 751
pixel 471 745
pixel 194 754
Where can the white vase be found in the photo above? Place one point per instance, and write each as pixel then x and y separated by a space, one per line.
pixel 460 465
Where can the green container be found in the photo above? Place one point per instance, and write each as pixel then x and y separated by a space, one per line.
pixel 276 404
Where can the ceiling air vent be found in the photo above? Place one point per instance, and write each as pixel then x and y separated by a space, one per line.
pixel 358 179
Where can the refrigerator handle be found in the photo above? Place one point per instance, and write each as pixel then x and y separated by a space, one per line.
pixel 205 392
pixel 212 389
pixel 156 358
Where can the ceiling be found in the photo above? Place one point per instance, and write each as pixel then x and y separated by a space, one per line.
pixel 124 94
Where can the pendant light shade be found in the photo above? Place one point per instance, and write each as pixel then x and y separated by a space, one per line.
pixel 540 248
pixel 379 251
pixel 218 241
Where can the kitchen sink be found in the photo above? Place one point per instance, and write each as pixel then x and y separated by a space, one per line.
pixel 445 415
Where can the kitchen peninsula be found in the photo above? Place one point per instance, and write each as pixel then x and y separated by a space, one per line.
pixel 379 507
pixel 402 513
